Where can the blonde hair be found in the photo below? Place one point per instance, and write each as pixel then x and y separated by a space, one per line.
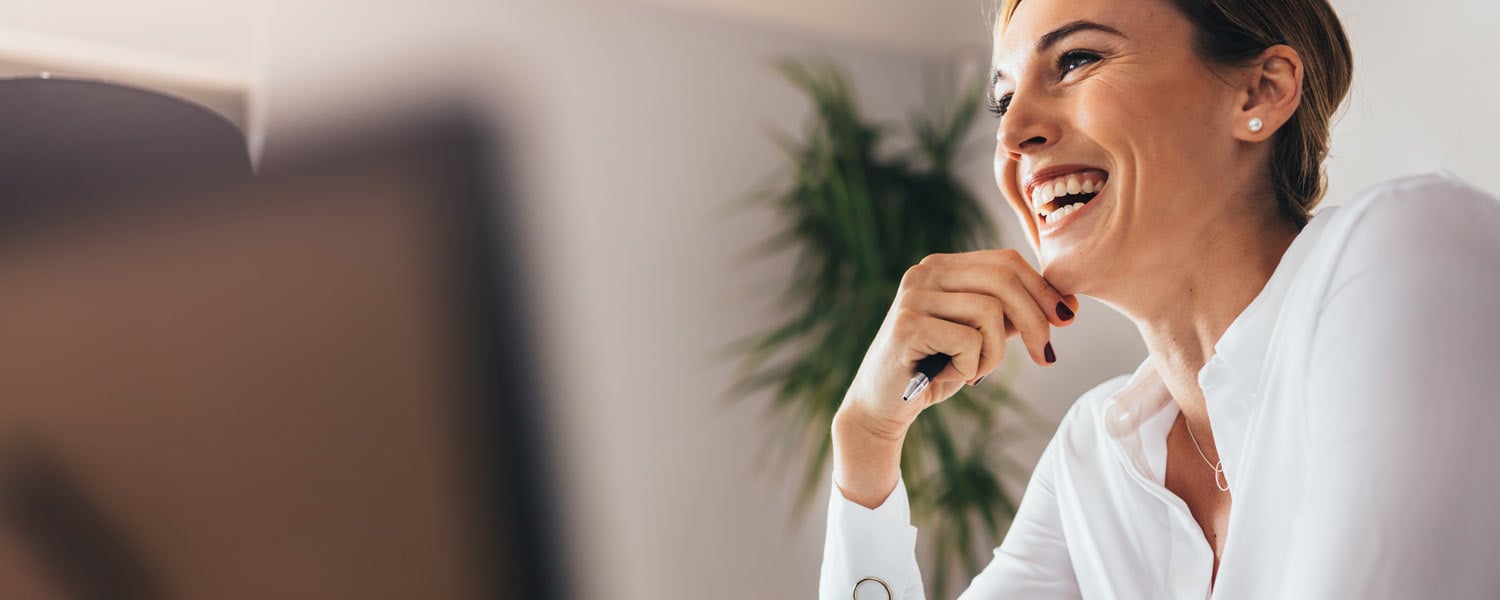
pixel 1234 32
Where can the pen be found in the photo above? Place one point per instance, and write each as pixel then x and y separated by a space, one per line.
pixel 927 368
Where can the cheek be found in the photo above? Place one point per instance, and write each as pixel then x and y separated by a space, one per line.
pixel 1120 117
pixel 1007 177
pixel 1158 134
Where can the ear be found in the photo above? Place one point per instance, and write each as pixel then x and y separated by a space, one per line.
pixel 1271 92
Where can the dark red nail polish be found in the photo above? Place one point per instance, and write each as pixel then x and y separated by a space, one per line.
pixel 980 380
pixel 1048 354
pixel 1063 312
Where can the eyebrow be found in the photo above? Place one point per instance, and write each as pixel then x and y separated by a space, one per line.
pixel 1056 35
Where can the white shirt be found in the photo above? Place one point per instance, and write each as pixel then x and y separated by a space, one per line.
pixel 1356 407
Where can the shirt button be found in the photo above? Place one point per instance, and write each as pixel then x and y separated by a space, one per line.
pixel 872 588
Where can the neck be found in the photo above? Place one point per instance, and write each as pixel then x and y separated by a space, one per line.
pixel 1182 312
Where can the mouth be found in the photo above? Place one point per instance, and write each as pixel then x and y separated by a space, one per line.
pixel 1054 198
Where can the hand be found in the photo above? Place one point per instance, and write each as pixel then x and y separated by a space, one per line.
pixel 966 306
pixel 963 305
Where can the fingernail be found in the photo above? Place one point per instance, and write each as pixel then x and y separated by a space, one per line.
pixel 1048 354
pixel 1063 312
pixel 980 380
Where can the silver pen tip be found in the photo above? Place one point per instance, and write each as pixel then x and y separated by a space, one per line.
pixel 915 386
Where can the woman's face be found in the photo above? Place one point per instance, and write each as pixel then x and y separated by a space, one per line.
pixel 1114 146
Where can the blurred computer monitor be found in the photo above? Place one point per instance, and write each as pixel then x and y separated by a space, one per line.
pixel 316 385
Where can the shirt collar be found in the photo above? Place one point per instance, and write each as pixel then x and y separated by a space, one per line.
pixel 1243 347
pixel 1142 396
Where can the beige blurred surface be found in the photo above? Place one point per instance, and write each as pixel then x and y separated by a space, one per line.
pixel 260 399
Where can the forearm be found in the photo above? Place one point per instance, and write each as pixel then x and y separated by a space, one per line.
pixel 870 542
pixel 866 462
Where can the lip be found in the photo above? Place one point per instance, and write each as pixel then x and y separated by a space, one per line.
pixel 1052 172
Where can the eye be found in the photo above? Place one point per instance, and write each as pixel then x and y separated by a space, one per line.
pixel 1075 59
pixel 998 107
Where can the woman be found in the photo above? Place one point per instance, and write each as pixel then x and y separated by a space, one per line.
pixel 1313 419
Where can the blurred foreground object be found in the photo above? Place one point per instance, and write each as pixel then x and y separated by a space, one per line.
pixel 85 134
pixel 859 218
pixel 316 385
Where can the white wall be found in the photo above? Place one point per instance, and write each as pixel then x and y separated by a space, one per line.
pixel 1424 94
pixel 930 28
pixel 218 31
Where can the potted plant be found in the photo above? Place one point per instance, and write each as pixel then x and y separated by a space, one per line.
pixel 858 218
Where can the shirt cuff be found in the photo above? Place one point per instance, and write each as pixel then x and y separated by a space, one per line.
pixel 866 543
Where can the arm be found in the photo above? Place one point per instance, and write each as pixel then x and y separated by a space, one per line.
pixel 1032 562
pixel 869 525
pixel 963 306
pixel 1404 404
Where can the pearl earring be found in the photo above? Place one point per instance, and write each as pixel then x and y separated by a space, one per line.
pixel 1255 124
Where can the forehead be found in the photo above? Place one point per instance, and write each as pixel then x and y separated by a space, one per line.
pixel 1034 18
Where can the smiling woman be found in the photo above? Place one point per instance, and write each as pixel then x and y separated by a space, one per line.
pixel 1176 72
pixel 1302 421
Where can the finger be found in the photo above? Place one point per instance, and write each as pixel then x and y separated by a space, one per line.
pixel 980 265
pixel 992 279
pixel 1025 316
pixel 1059 310
pixel 1070 302
pixel 1028 320
pixel 923 335
pixel 979 311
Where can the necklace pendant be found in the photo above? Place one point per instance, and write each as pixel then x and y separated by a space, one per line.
pixel 1221 478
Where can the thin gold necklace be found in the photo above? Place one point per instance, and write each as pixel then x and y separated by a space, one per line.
pixel 1221 479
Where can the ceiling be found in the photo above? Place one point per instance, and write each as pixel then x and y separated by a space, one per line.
pixel 939 28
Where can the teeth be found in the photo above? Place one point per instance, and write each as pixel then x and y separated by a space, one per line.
pixel 1041 195
pixel 1046 192
pixel 1063 212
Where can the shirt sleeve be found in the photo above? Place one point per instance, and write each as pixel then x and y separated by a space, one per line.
pixel 870 544
pixel 1404 401
pixel 1032 562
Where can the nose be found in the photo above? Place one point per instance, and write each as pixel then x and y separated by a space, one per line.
pixel 1030 124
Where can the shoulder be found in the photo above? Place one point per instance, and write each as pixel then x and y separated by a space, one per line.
pixel 1427 208
pixel 1410 221
pixel 1437 186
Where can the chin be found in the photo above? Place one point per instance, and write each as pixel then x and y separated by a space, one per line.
pixel 1069 272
